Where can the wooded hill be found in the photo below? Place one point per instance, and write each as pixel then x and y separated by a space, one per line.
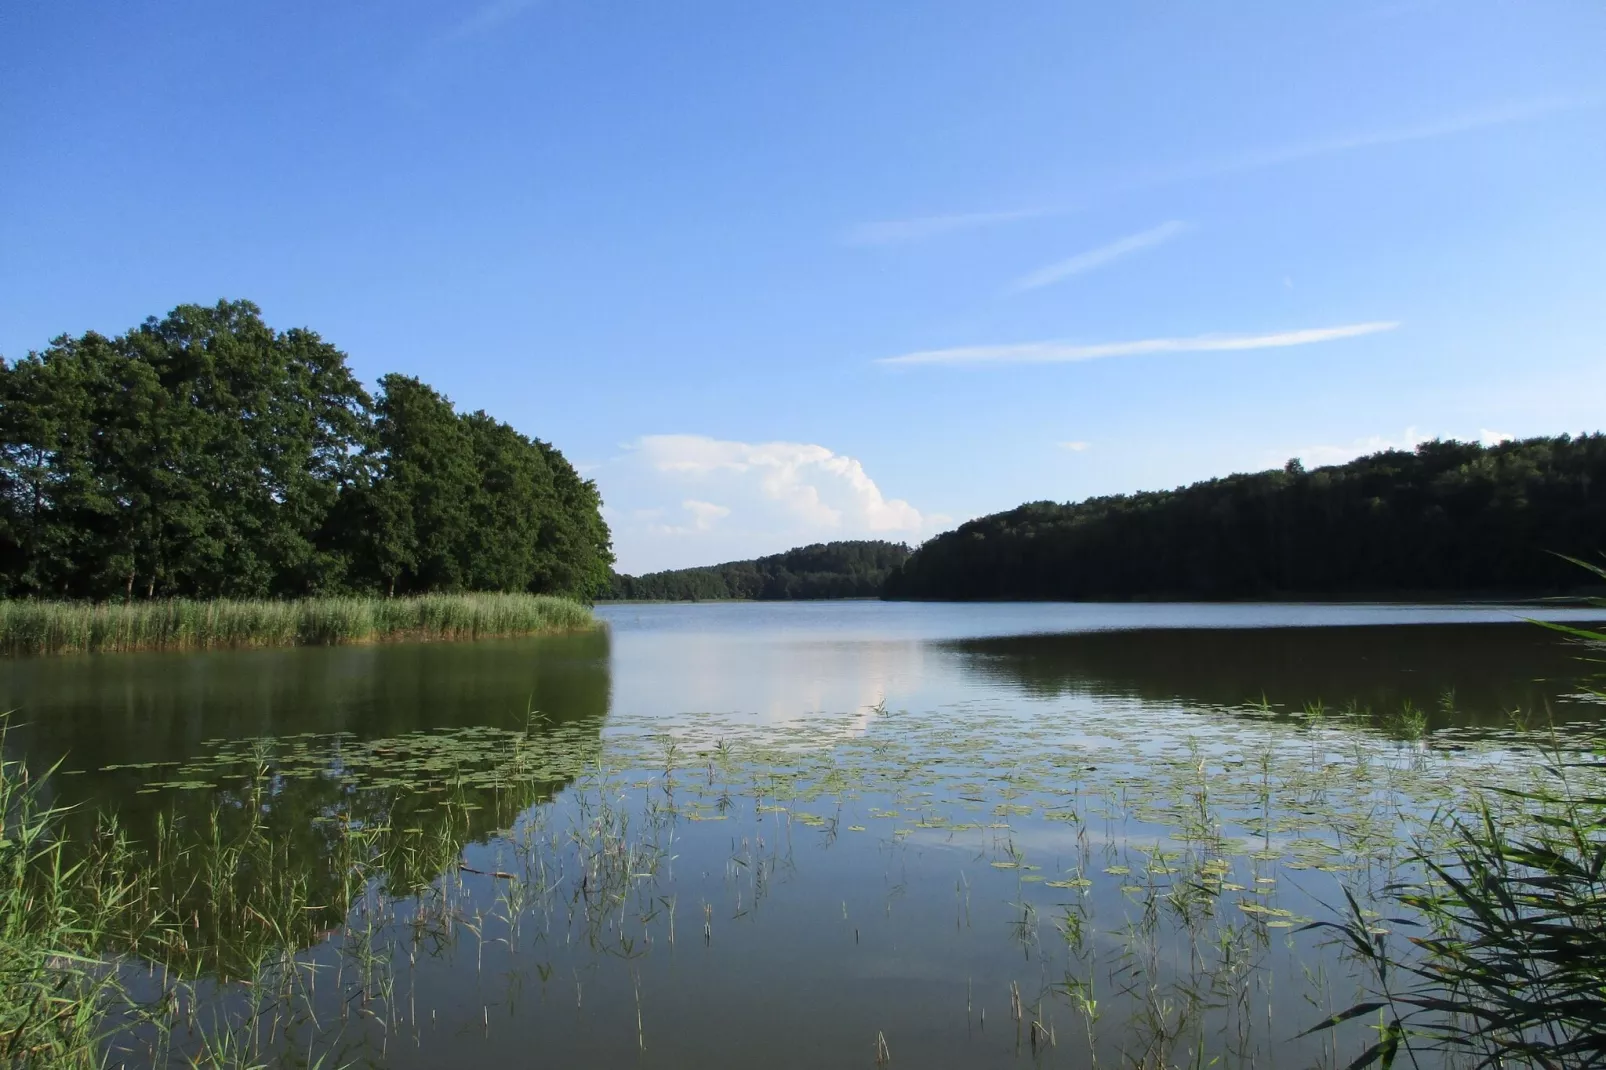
pixel 1448 517
pixel 824 570
pixel 206 454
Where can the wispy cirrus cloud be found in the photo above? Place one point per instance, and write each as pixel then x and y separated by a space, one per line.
pixel 487 17
pixel 1104 254
pixel 892 231
pixel 1293 152
pixel 1064 353
pixel 889 232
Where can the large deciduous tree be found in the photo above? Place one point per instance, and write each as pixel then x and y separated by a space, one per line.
pixel 207 454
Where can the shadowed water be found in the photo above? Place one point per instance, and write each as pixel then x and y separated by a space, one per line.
pixel 792 833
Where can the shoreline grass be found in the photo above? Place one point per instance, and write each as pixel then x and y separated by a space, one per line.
pixel 30 627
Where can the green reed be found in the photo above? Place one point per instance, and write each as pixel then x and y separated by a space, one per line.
pixel 1509 968
pixel 52 990
pixel 37 627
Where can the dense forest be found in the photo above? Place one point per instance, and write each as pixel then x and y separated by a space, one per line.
pixel 824 570
pixel 206 454
pixel 1449 516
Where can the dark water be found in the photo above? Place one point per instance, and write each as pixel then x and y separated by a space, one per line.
pixel 805 926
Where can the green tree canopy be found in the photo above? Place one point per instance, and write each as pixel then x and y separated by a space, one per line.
pixel 853 569
pixel 206 454
pixel 1446 517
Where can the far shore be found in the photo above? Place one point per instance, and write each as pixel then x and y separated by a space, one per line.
pixel 1480 598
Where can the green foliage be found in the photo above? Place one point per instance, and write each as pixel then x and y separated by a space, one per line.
pixel 51 1000
pixel 1450 516
pixel 233 885
pixel 824 570
pixel 36 627
pixel 206 455
pixel 1511 969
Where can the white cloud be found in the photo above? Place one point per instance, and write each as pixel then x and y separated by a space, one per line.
pixel 1104 254
pixel 892 231
pixel 771 497
pixel 487 18
pixel 1062 352
pixel 1409 439
pixel 888 232
pixel 1075 447
pixel 703 516
pixel 1318 456
pixel 1467 122
pixel 822 488
pixel 705 513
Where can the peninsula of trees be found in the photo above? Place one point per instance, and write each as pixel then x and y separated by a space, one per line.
pixel 824 570
pixel 207 455
pixel 1448 517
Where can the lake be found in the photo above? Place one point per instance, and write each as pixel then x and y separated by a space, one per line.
pixel 795 834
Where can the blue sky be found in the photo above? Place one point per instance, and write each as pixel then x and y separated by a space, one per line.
pixel 778 273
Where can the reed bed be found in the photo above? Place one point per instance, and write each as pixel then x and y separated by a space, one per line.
pixel 37 627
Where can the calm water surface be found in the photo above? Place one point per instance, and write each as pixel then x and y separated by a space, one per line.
pixel 789 833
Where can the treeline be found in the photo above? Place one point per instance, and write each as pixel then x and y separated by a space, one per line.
pixel 855 569
pixel 207 455
pixel 1447 517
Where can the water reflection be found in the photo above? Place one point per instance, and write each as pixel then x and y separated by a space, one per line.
pixel 1470 675
pixel 124 708
pixel 276 784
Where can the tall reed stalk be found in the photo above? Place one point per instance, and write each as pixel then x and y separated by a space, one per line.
pixel 52 985
pixel 1510 966
pixel 32 627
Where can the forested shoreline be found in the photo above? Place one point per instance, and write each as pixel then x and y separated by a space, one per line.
pixel 849 569
pixel 207 455
pixel 1446 518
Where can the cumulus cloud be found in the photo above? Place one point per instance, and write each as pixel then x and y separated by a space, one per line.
pixel 1074 447
pixel 700 516
pixel 771 496
pixel 1104 254
pixel 822 488
pixel 1494 438
pixel 1062 352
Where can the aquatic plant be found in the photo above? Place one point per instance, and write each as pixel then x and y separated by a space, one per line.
pixel 39 627
pixel 1126 893
pixel 1511 964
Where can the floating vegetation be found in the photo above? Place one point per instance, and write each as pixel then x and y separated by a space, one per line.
pixel 1123 890
pixel 39 627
